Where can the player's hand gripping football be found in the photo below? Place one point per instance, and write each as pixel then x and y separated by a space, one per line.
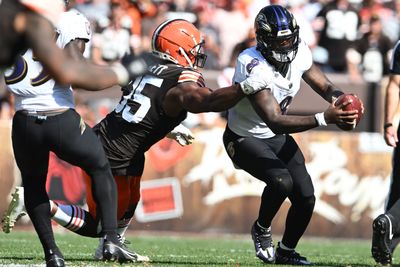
pixel 182 135
pixel 338 114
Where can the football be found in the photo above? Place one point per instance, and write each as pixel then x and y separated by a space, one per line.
pixel 356 104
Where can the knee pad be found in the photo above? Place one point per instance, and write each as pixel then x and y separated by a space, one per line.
pixel 281 182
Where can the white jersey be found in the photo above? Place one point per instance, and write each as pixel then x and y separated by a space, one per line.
pixel 33 88
pixel 242 118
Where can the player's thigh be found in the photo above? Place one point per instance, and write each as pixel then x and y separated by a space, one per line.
pixel 78 144
pixel 256 156
pixel 30 151
pixel 125 185
pixel 295 162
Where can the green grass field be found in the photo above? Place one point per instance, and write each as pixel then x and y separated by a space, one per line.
pixel 23 248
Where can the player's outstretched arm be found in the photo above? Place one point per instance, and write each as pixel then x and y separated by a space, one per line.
pixel 266 106
pixel 202 99
pixel 41 38
pixel 83 74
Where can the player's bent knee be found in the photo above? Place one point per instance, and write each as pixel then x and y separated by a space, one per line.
pixel 282 183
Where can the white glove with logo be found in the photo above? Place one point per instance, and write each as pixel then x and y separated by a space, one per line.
pixel 182 135
pixel 258 79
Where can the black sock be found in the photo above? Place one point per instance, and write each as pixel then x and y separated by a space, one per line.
pixel 105 194
pixel 40 217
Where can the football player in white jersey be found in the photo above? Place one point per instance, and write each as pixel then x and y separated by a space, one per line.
pixel 257 134
pixel 45 120
pixel 29 24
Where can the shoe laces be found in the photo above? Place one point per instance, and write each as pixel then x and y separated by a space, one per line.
pixel 122 240
pixel 264 237
pixel 293 255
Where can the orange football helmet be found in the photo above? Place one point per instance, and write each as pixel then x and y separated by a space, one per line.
pixel 179 41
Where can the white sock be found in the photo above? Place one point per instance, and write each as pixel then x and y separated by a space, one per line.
pixel 69 216
pixel 123 226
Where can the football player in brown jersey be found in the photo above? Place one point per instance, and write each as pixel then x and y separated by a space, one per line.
pixel 151 106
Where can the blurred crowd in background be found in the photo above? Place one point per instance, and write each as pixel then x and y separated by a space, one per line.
pixel 330 27
pixel 353 37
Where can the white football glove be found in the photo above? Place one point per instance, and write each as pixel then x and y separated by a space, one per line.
pixel 182 135
pixel 258 79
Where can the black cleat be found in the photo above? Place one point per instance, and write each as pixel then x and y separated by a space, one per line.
pixel 290 257
pixel 262 239
pixel 382 239
pixel 98 255
pixel 55 261
pixel 118 252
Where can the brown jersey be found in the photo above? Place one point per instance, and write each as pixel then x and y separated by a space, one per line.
pixel 139 120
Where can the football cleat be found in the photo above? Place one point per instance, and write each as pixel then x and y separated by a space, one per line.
pixel 382 239
pixel 290 257
pixel 98 254
pixel 16 209
pixel 120 252
pixel 263 244
pixel 55 261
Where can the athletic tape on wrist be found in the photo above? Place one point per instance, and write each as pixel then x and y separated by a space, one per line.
pixel 320 119
pixel 122 74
